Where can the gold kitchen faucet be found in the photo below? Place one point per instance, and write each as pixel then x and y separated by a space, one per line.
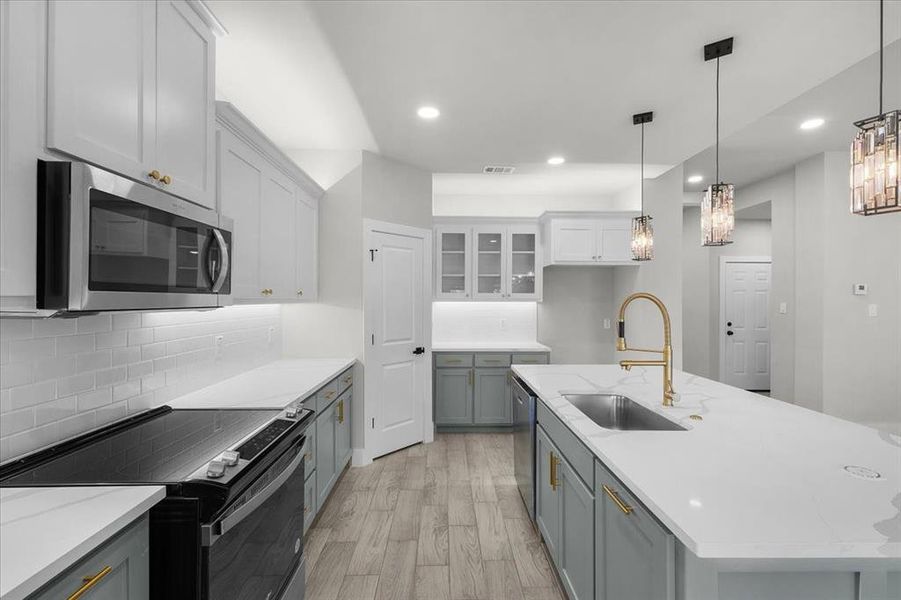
pixel 667 352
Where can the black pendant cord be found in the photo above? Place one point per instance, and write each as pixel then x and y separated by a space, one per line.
pixel 642 170
pixel 716 179
pixel 881 16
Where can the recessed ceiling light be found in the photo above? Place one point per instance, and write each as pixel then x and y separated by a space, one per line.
pixel 556 160
pixel 428 112
pixel 696 179
pixel 812 123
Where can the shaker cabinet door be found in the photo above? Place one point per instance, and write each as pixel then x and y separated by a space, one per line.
pixel 241 175
pixel 185 102
pixel 575 552
pixel 326 455
pixel 453 396
pixel 307 248
pixel 574 241
pixel 492 403
pixel 547 496
pixel 101 83
pixel 615 241
pixel 277 239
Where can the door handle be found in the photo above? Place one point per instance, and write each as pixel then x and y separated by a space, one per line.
pixel 730 333
pixel 419 350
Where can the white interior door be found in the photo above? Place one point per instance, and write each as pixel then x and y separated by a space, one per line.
pixel 745 327
pixel 396 361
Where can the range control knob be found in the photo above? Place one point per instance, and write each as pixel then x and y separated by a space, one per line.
pixel 230 458
pixel 215 469
pixel 291 412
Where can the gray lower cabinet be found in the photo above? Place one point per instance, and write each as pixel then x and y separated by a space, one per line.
pixel 473 390
pixel 492 403
pixel 565 512
pixel 120 570
pixel 634 554
pixel 453 396
pixel 326 455
pixel 342 429
pixel 310 505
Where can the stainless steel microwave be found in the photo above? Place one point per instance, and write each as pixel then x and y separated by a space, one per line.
pixel 108 243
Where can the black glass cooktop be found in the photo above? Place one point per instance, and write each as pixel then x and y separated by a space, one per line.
pixel 167 448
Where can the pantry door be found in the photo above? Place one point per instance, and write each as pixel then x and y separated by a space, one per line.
pixel 397 402
pixel 744 322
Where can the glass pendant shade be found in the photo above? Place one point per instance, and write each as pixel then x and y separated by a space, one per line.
pixel 718 215
pixel 642 238
pixel 874 165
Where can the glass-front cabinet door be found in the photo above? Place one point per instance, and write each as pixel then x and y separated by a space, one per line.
pixel 523 274
pixel 489 259
pixel 454 275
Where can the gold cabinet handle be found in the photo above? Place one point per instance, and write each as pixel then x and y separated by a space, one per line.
pixel 154 174
pixel 329 395
pixel 553 470
pixel 348 379
pixel 471 377
pixel 306 510
pixel 453 361
pixel 266 291
pixel 308 456
pixel 90 581
pixel 616 500
pixel 340 411
pixel 166 179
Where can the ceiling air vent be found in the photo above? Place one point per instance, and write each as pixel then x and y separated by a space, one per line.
pixel 497 170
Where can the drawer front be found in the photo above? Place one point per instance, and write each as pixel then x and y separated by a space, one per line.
pixel 128 557
pixel 327 395
pixel 492 360
pixel 345 380
pixel 453 360
pixel 309 453
pixel 531 359
pixel 573 450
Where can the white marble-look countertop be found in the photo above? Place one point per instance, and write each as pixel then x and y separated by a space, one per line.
pixel 274 385
pixel 523 346
pixel 756 480
pixel 44 530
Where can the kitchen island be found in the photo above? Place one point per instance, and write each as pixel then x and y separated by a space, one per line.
pixel 762 499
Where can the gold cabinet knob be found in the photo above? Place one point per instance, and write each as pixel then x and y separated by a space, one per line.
pixel 154 174
pixel 300 292
pixel 166 179
pixel 266 291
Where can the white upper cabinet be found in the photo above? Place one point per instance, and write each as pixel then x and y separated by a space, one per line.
pixel 593 239
pixel 275 209
pixel 101 96
pixel 185 102
pixel 495 261
pixel 130 88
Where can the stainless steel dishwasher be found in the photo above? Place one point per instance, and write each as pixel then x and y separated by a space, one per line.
pixel 524 443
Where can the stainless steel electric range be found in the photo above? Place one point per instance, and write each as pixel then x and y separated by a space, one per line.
pixel 231 525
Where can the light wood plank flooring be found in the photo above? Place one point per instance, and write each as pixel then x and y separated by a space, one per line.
pixel 435 521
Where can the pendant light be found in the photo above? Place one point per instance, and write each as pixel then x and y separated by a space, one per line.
pixel 717 208
pixel 642 230
pixel 874 155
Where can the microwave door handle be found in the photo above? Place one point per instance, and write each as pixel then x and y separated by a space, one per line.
pixel 223 269
pixel 229 522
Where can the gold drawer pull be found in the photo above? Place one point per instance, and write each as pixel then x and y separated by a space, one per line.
pixel 166 179
pixel 328 395
pixel 340 411
pixel 266 291
pixel 553 471
pixel 308 456
pixel 616 500
pixel 154 174
pixel 90 581
pixel 453 361
pixel 348 379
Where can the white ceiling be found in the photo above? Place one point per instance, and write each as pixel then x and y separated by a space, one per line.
pixel 775 142
pixel 519 81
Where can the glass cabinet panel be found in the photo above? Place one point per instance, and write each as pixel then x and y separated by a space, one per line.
pixel 522 263
pixel 452 264
pixel 489 262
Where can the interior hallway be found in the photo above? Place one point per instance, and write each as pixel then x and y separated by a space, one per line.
pixel 435 521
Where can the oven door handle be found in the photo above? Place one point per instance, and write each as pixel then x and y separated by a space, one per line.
pixel 232 520
pixel 223 268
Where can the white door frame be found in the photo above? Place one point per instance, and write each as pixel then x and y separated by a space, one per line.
pixel 364 455
pixel 724 260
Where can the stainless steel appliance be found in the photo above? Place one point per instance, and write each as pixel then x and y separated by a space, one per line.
pixel 231 525
pixel 524 443
pixel 109 243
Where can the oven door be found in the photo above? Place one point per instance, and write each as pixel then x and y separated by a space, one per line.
pixel 130 246
pixel 255 549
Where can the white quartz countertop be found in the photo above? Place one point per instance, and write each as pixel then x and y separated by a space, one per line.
pixel 756 479
pixel 44 531
pixel 274 385
pixel 523 346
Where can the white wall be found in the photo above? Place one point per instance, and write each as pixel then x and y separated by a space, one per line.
pixel 520 205
pixel 661 276
pixel 483 322
pixel 63 377
pixel 396 192
pixel 577 299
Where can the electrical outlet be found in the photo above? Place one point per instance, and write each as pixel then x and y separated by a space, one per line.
pixel 873 310
pixel 783 308
pixel 269 333
pixel 606 323
pixel 503 324
pixel 219 342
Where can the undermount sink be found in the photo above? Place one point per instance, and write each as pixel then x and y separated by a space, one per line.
pixel 612 411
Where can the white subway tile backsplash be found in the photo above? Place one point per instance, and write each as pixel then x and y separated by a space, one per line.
pixel 137 337
pixel 63 377
pixel 113 339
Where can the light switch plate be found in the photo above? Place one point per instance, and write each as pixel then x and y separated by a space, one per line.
pixel 783 308
pixel 860 289
pixel 606 323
